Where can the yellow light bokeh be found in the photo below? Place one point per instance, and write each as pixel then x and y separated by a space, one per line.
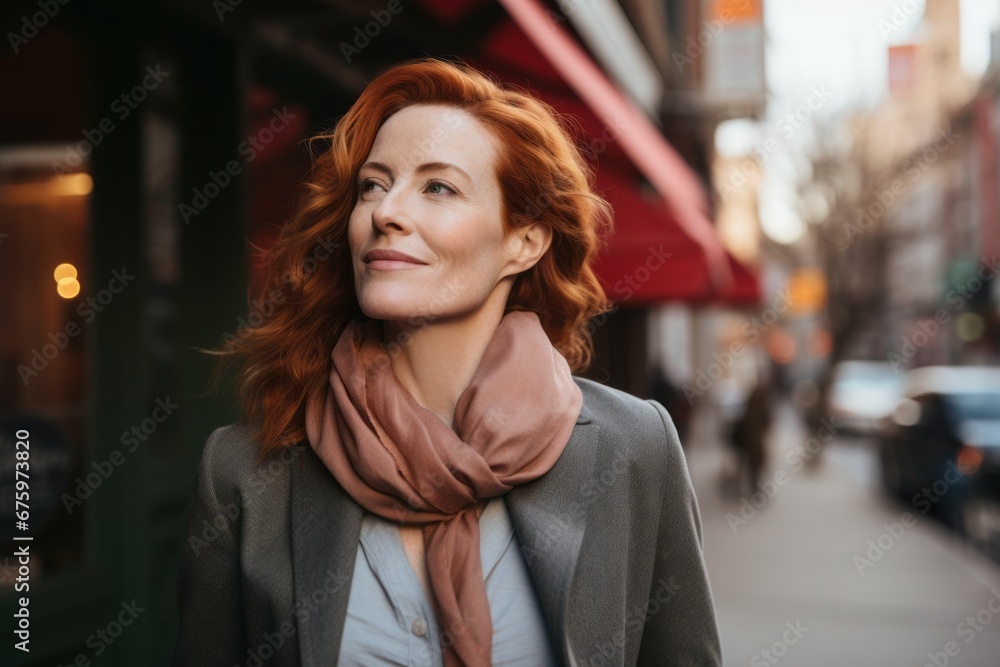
pixel 970 327
pixel 64 271
pixel 807 291
pixel 68 287
pixel 41 192
pixel 71 185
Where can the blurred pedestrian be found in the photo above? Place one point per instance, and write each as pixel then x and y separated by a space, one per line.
pixel 748 438
pixel 667 394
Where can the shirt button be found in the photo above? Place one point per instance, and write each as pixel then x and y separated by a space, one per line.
pixel 419 627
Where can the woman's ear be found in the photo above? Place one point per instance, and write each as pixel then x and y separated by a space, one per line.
pixel 528 244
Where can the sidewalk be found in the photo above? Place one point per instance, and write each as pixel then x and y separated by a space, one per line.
pixel 787 581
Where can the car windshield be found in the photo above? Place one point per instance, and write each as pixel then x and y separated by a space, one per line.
pixel 984 405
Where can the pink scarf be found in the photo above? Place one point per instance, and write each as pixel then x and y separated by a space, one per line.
pixel 400 461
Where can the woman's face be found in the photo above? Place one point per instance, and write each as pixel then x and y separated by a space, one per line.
pixel 428 190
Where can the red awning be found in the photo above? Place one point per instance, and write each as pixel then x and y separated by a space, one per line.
pixel 649 258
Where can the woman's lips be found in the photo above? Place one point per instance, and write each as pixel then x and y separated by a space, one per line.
pixel 384 259
pixel 391 264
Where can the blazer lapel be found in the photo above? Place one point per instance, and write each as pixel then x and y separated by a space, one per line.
pixel 326 530
pixel 549 518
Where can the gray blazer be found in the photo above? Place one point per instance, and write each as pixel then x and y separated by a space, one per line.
pixel 611 536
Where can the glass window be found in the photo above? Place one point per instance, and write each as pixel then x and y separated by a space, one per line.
pixel 47 307
pixel 47 299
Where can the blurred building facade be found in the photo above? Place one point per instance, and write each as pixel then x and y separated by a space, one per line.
pixel 929 152
pixel 942 299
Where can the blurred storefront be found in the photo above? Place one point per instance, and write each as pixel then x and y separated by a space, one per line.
pixel 145 148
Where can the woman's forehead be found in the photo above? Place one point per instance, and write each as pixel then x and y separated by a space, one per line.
pixel 437 135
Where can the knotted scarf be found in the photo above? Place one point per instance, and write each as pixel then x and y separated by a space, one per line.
pixel 401 461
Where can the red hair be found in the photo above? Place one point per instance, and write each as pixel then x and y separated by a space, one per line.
pixel 308 284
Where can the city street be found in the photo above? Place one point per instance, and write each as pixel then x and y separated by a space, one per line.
pixel 799 583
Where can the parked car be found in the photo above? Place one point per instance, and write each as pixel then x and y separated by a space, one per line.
pixel 863 393
pixel 940 449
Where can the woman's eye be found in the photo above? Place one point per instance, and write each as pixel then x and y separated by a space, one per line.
pixel 435 184
pixel 366 186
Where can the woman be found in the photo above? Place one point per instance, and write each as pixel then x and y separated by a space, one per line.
pixel 421 480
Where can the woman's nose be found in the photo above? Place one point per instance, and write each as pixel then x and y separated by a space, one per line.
pixel 390 214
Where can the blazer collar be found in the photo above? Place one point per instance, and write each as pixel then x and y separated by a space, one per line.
pixel 547 515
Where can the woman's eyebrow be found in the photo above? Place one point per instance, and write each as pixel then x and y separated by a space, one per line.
pixel 427 166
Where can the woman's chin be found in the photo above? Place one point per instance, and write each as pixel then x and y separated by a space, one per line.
pixel 397 309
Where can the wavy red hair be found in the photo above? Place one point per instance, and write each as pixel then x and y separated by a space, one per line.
pixel 309 282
